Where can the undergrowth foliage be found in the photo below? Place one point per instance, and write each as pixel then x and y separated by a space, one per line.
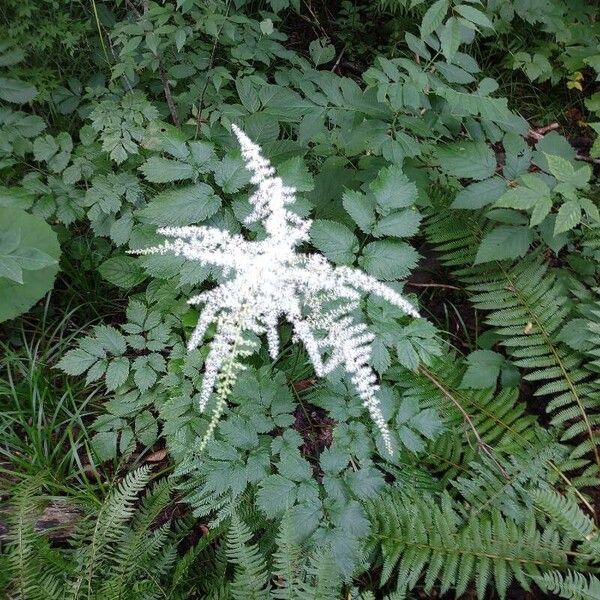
pixel 227 452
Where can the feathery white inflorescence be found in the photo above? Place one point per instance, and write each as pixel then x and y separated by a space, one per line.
pixel 269 279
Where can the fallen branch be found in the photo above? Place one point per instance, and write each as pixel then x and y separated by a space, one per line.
pixel 433 285
pixel 58 522
pixel 538 134
pixel 589 159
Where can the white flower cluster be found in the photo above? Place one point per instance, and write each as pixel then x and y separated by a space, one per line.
pixel 268 279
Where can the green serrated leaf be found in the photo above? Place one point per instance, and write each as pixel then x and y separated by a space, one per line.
pixel 361 208
pixel 388 260
pixel 295 173
pixel 393 189
pixel 475 16
pixel 504 242
pixel 433 18
pixel 183 206
pixel 480 194
pixel 450 38
pixel 76 362
pixel 334 240
pixel 117 373
pixel 19 92
pixel 472 160
pixel 122 271
pixel 569 215
pixel 483 369
pixel 163 170
pixel 321 52
pixel 275 495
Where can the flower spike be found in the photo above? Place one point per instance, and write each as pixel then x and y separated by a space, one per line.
pixel 269 279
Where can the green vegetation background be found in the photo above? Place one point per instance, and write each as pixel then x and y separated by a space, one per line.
pixel 448 148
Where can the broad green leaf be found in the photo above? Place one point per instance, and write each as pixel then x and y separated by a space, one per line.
pixel 202 155
pixel 10 240
pixel 561 168
pixel 76 362
pixel 540 211
pixel 410 439
pixel 239 433
pixel 417 46
pixel 11 57
pixel 104 445
pixel 16 197
pixel 182 206
pixel 284 103
pixel 10 269
pixel 402 223
pixel 146 428
pixel 294 467
pixel 247 93
pixel 161 136
pixel 428 423
pixel 275 495
pixel 321 52
pixel 521 197
pixel 569 215
pixel 117 373
pixel 517 153
pixel 179 38
pixel 110 339
pixel 393 189
pixel 334 240
pixel 475 16
pixel 388 260
pixel 30 259
pixel 483 369
pixel 295 173
pixel 472 160
pixel 231 174
pixel 361 208
pixel 565 172
pixel 163 170
pixel 503 242
pixel 590 209
pixel 450 38
pixel 123 271
pixel 555 144
pixel 409 407
pixel 44 148
pixel 144 375
pixel 13 90
pixel 434 17
pixel 479 104
pixel 27 270
pixel 480 194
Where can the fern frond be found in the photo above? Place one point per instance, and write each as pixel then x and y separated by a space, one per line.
pixel 26 550
pixel 96 545
pixel 511 490
pixel 573 586
pixel 297 577
pixel 421 536
pixel 287 563
pixel 526 308
pixel 250 576
pixel 500 419
pixel 564 512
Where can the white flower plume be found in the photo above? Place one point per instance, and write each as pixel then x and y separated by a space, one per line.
pixel 268 279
